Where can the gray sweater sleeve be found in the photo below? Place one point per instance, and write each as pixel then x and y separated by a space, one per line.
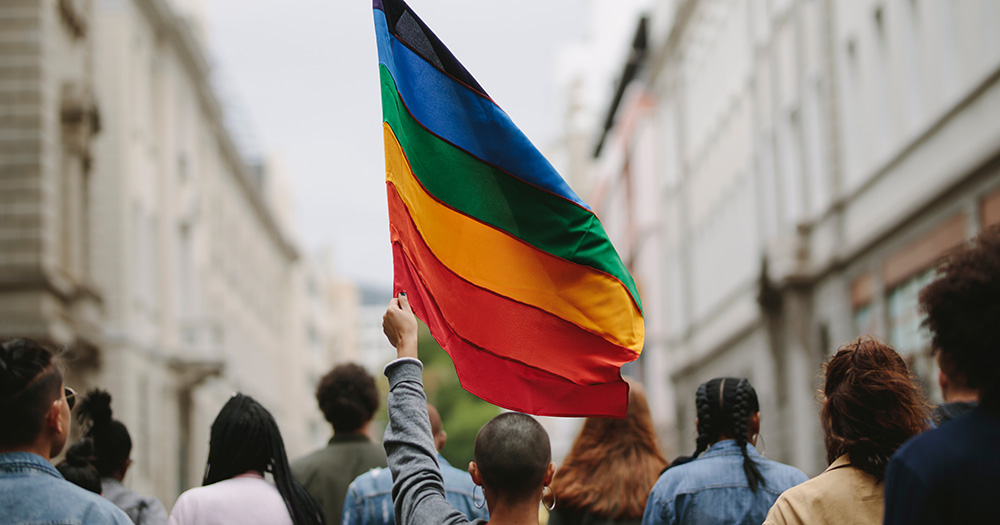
pixel 417 487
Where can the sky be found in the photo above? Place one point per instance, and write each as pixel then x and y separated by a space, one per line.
pixel 306 75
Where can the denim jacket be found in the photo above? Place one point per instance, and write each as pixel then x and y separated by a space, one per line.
pixel 33 491
pixel 369 498
pixel 714 489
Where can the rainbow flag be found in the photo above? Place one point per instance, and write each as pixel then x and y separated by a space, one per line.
pixel 512 272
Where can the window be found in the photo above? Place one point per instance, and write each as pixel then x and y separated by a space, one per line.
pixel 906 334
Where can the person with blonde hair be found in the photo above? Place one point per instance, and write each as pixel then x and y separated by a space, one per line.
pixel 608 473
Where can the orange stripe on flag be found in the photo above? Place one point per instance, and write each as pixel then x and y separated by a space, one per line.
pixel 494 260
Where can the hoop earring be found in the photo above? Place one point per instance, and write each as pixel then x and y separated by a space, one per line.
pixel 760 437
pixel 553 506
pixel 474 502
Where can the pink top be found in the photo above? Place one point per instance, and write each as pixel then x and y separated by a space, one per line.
pixel 244 499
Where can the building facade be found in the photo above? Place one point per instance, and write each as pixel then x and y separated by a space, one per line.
pixel 782 177
pixel 137 235
pixel 49 117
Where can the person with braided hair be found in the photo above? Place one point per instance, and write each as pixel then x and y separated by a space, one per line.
pixel 731 482
pixel 112 450
pixel 872 404
pixel 35 419
pixel 245 444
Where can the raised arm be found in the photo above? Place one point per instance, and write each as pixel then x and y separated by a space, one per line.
pixel 417 487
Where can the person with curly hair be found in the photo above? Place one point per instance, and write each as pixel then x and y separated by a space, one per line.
pixel 112 450
pixel 731 482
pixel 872 404
pixel 608 473
pixel 951 474
pixel 348 397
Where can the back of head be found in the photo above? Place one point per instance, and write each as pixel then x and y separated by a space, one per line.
pixel 873 404
pixel 77 467
pixel 724 406
pixel 245 438
pixel 613 463
pixel 348 397
pixel 112 442
pixel 513 454
pixel 242 438
pixel 29 383
pixel 963 313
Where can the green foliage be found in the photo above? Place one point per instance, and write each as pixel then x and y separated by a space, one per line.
pixel 463 414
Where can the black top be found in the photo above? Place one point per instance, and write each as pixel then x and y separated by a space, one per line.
pixel 947 475
pixel 948 411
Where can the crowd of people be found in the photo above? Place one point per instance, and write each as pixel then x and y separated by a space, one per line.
pixel 892 457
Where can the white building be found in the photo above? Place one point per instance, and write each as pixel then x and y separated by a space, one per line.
pixel 49 116
pixel 782 176
pixel 154 251
pixel 374 350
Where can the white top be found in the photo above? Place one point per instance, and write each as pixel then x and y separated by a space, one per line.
pixel 245 499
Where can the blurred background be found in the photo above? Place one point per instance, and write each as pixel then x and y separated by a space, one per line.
pixel 192 192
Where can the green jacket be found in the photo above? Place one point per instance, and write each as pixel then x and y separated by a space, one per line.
pixel 327 472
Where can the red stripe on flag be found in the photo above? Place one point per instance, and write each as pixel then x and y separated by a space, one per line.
pixel 504 382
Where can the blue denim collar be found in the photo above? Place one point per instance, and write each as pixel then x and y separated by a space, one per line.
pixel 729 447
pixel 27 461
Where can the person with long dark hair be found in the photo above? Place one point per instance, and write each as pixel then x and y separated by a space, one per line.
pixel 730 482
pixel 112 458
pixel 512 457
pixel 608 473
pixel 872 404
pixel 246 443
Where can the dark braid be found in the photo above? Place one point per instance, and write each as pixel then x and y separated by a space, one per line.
pixel 741 414
pixel 724 409
pixel 704 408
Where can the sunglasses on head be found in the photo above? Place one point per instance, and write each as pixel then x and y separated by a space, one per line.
pixel 70 397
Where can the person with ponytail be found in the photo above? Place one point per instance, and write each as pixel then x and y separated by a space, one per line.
pixel 726 481
pixel 112 458
pixel 872 404
pixel 606 477
pixel 245 443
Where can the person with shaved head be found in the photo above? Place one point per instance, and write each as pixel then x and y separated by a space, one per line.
pixel 512 457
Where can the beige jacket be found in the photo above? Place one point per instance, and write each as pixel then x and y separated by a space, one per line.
pixel 842 494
